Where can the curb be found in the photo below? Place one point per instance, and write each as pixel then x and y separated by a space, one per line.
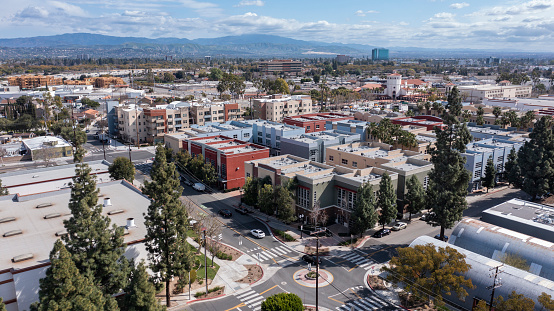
pixel 263 273
pixel 203 299
pixel 227 246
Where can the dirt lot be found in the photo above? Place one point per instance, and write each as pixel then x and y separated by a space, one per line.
pixel 254 274
pixel 230 251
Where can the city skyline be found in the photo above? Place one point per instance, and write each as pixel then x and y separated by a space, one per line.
pixel 510 26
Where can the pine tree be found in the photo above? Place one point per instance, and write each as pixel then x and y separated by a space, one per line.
pixel 449 180
pixel 536 160
pixel 166 223
pixel 3 191
pixel 415 196
pixel 386 201
pixel 141 293
pixel 489 180
pixel 511 169
pixel 65 288
pixel 363 216
pixel 96 247
pixel 122 168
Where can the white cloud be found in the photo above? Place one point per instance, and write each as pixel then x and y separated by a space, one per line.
pixel 32 12
pixel 250 3
pixel 207 9
pixel 67 8
pixel 459 5
pixel 363 13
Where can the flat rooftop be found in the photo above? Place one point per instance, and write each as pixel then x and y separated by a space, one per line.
pixel 527 210
pixel 39 142
pixel 477 148
pixel 39 234
pixel 284 161
pixel 307 168
pixel 365 178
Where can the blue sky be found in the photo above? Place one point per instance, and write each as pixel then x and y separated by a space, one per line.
pixel 523 25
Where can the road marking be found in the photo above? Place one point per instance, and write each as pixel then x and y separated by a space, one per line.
pixel 267 290
pixel 242 304
pixel 355 293
pixel 336 300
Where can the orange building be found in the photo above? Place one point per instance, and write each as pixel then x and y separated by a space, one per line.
pixel 29 82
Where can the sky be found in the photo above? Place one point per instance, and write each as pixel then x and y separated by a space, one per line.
pixel 511 25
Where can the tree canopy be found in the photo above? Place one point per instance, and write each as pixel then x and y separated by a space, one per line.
pixel 283 302
pixel 515 302
pixel 489 180
pixel 430 272
pixel 122 168
pixel 166 223
pixel 140 295
pixel 386 201
pixel 389 133
pixel 364 215
pixel 415 196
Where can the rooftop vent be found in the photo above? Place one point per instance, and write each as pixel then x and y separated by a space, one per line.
pixel 44 205
pixel 107 202
pixel 53 215
pixel 60 233
pixel 117 211
pixel 23 257
pixel 12 233
pixel 7 219
pixel 130 223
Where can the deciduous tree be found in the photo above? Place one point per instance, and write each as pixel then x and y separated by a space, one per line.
pixel 515 302
pixel 122 168
pixel 429 271
pixel 283 302
pixel 284 204
pixel 166 223
pixel 546 301
pixel 386 201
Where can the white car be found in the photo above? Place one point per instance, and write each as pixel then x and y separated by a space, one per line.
pixel 257 233
pixel 399 226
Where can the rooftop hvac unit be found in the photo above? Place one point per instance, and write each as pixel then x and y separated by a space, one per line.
pixel 12 233
pixel 23 257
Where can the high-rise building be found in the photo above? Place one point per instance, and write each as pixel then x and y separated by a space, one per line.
pixel 380 54
pixel 278 65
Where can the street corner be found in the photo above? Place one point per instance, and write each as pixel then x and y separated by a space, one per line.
pixel 303 277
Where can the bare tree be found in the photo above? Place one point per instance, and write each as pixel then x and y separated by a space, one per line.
pixel 213 228
pixel 318 214
pixel 45 154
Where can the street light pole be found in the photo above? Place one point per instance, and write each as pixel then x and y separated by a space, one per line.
pixel 206 261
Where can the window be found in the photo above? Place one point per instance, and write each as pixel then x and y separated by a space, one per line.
pixel 259 140
pixel 313 152
pixel 312 159
pixel 354 164
pixel 346 199
pixel 235 136
pixel 268 135
pixel 331 158
pixel 278 137
pixel 277 145
pixel 177 116
pixel 308 127
pixel 499 168
pixel 478 165
pixel 344 161
pixel 477 174
pixel 247 174
pixel 246 135
pixel 303 198
pixel 425 182
pixel 317 126
pixel 259 133
pixel 500 159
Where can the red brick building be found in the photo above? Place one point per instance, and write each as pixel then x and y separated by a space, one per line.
pixel 227 155
pixel 428 121
pixel 315 122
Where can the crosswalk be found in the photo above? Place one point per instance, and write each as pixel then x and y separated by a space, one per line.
pixel 273 253
pixel 251 299
pixel 372 302
pixel 358 260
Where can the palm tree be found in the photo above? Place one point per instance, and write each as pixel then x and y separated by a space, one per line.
pixel 466 114
pixel 428 107
pixel 497 111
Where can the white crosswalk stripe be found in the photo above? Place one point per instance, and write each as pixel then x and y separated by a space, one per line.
pixel 368 303
pixel 251 299
pixel 276 252
pixel 357 259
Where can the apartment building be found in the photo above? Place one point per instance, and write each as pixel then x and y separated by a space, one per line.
pixel 478 153
pixel 280 65
pixel 276 107
pixel 270 134
pixel 405 163
pixel 227 155
pixel 335 188
pixel 313 145
pixel 315 122
pixel 202 113
pixel 98 82
pixel 30 82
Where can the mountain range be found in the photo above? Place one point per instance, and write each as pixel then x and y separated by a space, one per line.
pixel 251 45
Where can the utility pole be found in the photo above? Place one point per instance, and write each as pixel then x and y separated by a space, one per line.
pixel 206 261
pixel 495 283
pixel 103 146
pixel 317 269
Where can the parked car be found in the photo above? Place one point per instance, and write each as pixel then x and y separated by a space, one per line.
pixel 225 213
pixel 311 260
pixel 199 187
pixel 87 131
pixel 257 233
pixel 381 233
pixel 242 210
pixel 438 237
pixel 399 226
pixel 427 216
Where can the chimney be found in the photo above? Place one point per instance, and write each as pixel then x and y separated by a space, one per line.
pixel 107 202
pixel 130 223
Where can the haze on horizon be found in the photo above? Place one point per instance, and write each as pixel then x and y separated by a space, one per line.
pixel 512 25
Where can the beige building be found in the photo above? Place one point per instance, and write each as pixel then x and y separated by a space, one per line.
pixel 29 82
pixel 481 92
pixel 276 107
pixel 371 154
pixel 202 113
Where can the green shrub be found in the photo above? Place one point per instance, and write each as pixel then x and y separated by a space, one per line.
pixel 347 242
pixel 283 302
pixel 285 236
pixel 211 290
